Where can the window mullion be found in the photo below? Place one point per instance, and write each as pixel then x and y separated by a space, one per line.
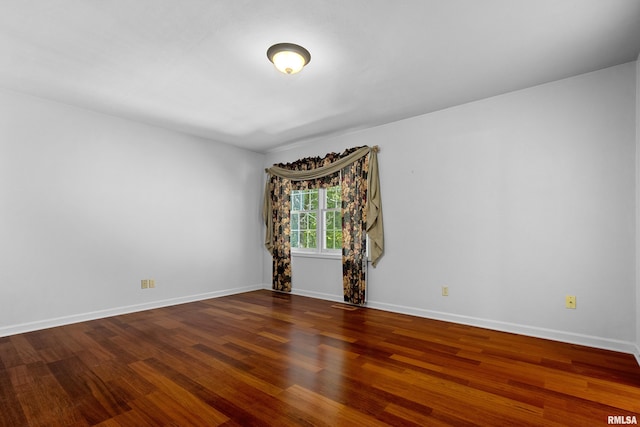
pixel 322 202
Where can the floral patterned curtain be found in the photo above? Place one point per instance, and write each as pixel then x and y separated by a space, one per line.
pixel 354 234
pixel 280 189
pixel 350 169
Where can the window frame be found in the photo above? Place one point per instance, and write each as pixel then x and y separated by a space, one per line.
pixel 320 251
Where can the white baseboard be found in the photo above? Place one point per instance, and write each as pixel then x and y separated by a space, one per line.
pixel 532 331
pixel 310 294
pixel 83 317
pixel 318 295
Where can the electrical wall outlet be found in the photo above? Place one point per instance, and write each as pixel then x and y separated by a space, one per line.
pixel 147 283
pixel 570 301
pixel 445 291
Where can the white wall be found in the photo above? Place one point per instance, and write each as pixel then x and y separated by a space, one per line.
pixel 91 204
pixel 513 202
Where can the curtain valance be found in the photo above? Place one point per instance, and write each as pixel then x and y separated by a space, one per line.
pixel 320 171
pixel 373 207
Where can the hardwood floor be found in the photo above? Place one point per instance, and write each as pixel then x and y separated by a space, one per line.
pixel 264 358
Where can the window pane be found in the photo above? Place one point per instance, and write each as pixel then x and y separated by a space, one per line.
pixel 334 240
pixel 295 239
pixel 312 221
pixel 315 198
pixel 308 239
pixel 311 200
pixel 295 221
pixel 328 219
pixel 333 220
pixel 295 200
pixel 337 222
pixel 334 197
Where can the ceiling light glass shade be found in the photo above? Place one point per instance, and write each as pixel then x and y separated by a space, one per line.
pixel 289 58
pixel 288 62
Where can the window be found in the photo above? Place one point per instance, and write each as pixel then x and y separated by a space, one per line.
pixel 316 221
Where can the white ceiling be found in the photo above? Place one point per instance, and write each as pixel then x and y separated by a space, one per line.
pixel 200 66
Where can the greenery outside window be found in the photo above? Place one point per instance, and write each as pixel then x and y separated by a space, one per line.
pixel 316 221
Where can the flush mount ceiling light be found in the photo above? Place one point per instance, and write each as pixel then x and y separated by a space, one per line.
pixel 288 58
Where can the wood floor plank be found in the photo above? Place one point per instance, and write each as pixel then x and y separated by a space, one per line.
pixel 326 411
pixel 201 412
pixel 11 413
pixel 257 407
pixel 264 358
pixel 44 402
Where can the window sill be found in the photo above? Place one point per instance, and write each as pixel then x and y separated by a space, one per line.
pixel 337 256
